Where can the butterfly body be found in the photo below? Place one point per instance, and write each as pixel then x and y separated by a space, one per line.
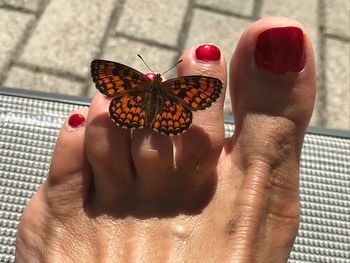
pixel 140 102
pixel 152 99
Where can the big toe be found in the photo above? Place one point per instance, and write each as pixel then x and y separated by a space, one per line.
pixel 273 82
pixel 273 91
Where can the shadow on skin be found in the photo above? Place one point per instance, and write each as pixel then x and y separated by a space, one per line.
pixel 180 193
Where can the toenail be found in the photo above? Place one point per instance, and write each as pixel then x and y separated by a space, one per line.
pixel 76 120
pixel 281 50
pixel 151 76
pixel 208 52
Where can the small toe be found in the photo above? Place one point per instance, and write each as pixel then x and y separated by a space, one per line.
pixel 69 175
pixel 108 152
pixel 201 145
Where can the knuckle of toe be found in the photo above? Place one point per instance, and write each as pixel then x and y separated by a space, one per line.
pixel 271 140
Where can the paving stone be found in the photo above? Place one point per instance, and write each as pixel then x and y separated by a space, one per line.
pixel 68 35
pixel 204 28
pixel 314 118
pixel 159 21
pixel 27 79
pixel 303 11
pixel 338 17
pixel 32 5
pixel 234 6
pixel 12 28
pixel 338 84
pixel 123 50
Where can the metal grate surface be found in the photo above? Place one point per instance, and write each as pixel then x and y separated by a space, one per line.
pixel 28 130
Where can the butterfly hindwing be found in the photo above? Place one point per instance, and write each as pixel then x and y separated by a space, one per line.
pixel 172 118
pixel 127 112
pixel 197 92
pixel 113 79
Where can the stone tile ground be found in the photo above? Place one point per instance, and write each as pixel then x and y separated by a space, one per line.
pixel 47 45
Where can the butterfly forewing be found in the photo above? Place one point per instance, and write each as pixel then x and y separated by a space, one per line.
pixel 114 79
pixel 172 118
pixel 197 92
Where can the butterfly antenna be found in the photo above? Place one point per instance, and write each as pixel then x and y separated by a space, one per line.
pixel 171 67
pixel 145 62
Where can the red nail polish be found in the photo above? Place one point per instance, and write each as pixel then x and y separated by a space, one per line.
pixel 76 120
pixel 281 49
pixel 208 52
pixel 151 76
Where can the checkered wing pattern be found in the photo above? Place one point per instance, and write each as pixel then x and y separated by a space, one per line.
pixel 196 92
pixel 126 112
pixel 114 79
pixel 173 118
pixel 172 106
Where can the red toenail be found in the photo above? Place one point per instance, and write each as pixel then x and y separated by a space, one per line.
pixel 151 76
pixel 76 120
pixel 281 49
pixel 208 52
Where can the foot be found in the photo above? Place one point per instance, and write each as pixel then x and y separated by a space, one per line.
pixel 196 197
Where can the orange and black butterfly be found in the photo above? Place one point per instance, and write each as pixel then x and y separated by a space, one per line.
pixel 141 101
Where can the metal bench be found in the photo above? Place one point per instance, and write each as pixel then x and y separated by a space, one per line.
pixel 29 124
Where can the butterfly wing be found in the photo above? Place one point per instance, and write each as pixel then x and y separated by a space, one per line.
pixel 113 79
pixel 127 112
pixel 172 118
pixel 196 92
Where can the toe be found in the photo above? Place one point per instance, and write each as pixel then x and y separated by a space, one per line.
pixel 69 174
pixel 198 148
pixel 108 152
pixel 273 92
pixel 186 152
pixel 273 83
pixel 279 53
pixel 152 155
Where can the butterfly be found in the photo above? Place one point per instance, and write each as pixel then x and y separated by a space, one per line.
pixel 141 100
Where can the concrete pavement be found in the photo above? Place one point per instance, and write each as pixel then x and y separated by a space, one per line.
pixel 47 45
